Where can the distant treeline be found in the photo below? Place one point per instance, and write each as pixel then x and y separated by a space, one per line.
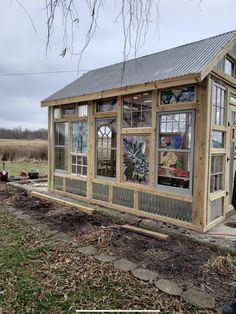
pixel 23 134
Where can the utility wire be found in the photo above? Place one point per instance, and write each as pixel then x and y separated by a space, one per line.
pixel 39 73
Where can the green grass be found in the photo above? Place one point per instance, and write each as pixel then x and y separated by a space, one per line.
pixel 14 168
pixel 40 276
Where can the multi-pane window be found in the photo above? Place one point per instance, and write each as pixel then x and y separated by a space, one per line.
pixel 178 95
pixel 106 147
pixel 79 147
pixel 61 146
pixel 217 173
pixel 137 110
pixel 175 145
pixel 219 104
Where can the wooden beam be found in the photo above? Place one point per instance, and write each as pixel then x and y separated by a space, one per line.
pixel 84 209
pixel 146 232
pixel 172 82
pixel 217 58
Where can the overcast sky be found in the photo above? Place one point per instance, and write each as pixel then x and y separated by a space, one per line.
pixel 22 50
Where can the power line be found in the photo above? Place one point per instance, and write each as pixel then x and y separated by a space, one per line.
pixel 40 73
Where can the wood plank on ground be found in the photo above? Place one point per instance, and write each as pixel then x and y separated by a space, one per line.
pixel 146 232
pixel 87 210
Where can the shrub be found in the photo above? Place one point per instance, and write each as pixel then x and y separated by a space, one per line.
pixel 25 152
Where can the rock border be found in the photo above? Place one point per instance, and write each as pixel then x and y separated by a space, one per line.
pixel 172 288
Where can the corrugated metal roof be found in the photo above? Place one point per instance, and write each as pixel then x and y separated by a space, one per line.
pixel 180 61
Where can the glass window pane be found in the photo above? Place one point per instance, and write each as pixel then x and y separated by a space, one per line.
pixel 136 152
pixel 61 133
pixel 217 173
pixel 137 110
pixel 84 171
pixel 106 105
pixel 178 95
pixel 174 169
pixel 218 106
pixel 69 110
pixel 229 67
pixel 174 149
pixel 61 158
pixel 79 137
pixel 217 139
pixel 176 132
pixel 57 113
pixel 83 110
pixel 106 147
pixel 233 100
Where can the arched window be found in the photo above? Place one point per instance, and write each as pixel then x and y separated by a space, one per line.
pixel 106 147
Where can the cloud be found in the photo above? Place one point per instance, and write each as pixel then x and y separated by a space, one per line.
pixel 22 50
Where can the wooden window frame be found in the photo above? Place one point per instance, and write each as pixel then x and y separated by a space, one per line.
pixel 176 190
pixel 127 128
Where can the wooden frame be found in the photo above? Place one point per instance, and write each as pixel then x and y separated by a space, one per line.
pixel 200 199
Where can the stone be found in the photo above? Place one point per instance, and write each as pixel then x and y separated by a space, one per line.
pixel 24 217
pixel 41 227
pixel 125 265
pixel 61 236
pixel 168 287
pixel 88 250
pixel 50 232
pixel 105 258
pixel 199 298
pixel 18 213
pixel 144 274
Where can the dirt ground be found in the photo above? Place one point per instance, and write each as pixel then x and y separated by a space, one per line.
pixel 183 262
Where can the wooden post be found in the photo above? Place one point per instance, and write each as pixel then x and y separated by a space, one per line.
pixel 91 148
pixel 201 155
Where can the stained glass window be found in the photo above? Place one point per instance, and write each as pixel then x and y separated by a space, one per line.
pixel 106 147
pixel 178 95
pixel 136 152
pixel 137 110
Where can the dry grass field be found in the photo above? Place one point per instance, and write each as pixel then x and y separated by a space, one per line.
pixel 23 155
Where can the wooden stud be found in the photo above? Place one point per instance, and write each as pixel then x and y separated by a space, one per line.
pixel 119 140
pixel 201 153
pixel 85 209
pixel 145 232
pixel 91 149
pixel 152 157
